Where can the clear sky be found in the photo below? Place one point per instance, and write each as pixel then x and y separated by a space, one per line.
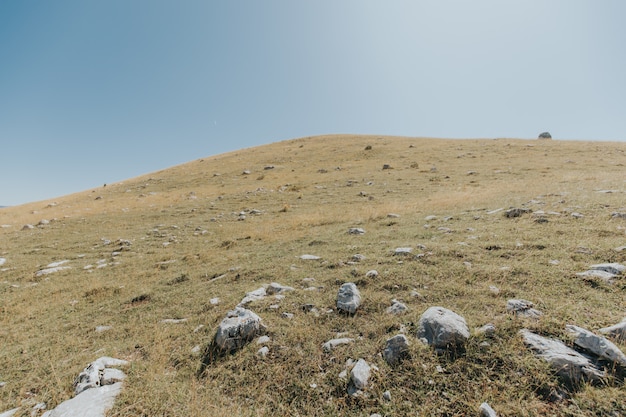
pixel 95 92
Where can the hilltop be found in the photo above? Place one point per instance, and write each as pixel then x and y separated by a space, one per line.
pixel 149 267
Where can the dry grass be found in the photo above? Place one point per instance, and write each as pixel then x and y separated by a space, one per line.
pixel 184 229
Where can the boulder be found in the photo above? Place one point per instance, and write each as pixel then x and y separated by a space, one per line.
pixel 348 298
pixel 597 345
pixel 239 327
pixel 569 365
pixel 617 331
pixel 544 135
pixel 442 328
pixel 396 349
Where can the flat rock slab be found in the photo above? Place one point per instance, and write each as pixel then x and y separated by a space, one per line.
pixel 442 328
pixel 90 403
pixel 239 327
pixel 348 298
pixel 568 364
pixel 612 268
pixel 597 345
pixel 597 273
pixel 523 308
pixel 310 257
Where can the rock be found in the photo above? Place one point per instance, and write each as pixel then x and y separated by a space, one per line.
pixel 488 330
pixel 617 215
pixel 371 274
pixel 10 413
pixel 99 373
pixel 309 257
pixel 597 345
pixel 2 261
pixel 262 340
pixel 356 231
pixel 486 411
pixel 252 296
pixel 611 268
pixel 286 315
pixel 348 298
pixel 358 257
pixel 262 353
pixel 333 343
pixel 396 349
pixel 238 328
pixel 544 135
pixel 387 395
pixel 569 365
pixel 442 328
pixel 173 321
pixel 360 374
pixel 522 308
pixel 597 273
pixel 617 331
pixel 28 227
pixel 402 251
pixel 100 329
pixel 275 288
pixel 397 307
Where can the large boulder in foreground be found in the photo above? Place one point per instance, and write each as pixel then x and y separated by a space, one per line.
pixel 239 327
pixel 442 329
pixel 569 365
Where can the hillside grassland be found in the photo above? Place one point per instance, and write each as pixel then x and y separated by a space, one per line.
pixel 161 246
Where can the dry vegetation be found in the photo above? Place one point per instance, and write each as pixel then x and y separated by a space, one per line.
pixel 319 187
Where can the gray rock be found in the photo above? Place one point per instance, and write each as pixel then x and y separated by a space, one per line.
pixel 611 268
pixel 309 257
pixel 617 331
pixel 488 330
pixel 522 308
pixel 99 373
pixel 371 274
pixel 568 364
pixel 396 349
pixel 442 328
pixel 486 411
pixel 397 307
pixel 360 374
pixel 618 215
pixel 356 231
pixel 252 296
pixel 544 135
pixel 348 298
pixel 387 395
pixel 275 288
pixel 239 327
pixel 597 273
pixel 333 343
pixel 516 212
pixel 597 345
pixel 262 353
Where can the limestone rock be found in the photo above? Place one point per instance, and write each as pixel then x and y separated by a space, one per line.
pixel 309 257
pixel 597 273
pixel 597 345
pixel 348 298
pixel 516 212
pixel 397 307
pixel 568 364
pixel 331 344
pixel 486 411
pixel 356 231
pixel 275 288
pixel 617 331
pixel 252 296
pixel 611 268
pixel 396 349
pixel 238 328
pixel 522 308
pixel 371 274
pixel 442 328
pixel 360 374
pixel 99 373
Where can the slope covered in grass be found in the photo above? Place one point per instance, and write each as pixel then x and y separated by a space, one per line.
pixel 162 246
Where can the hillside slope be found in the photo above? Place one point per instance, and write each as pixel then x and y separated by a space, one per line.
pixel 166 245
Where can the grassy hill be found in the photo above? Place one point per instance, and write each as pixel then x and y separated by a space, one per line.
pixel 161 246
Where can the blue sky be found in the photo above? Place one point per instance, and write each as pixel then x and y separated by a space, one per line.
pixel 95 92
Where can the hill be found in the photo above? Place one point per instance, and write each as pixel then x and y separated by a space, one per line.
pixel 148 268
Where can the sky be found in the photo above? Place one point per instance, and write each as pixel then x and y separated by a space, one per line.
pixel 95 92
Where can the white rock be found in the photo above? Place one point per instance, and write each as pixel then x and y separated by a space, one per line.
pixel 58 263
pixel 360 374
pixel 597 273
pixel 94 374
pixel 2 261
pixel 402 251
pixel 356 231
pixel 617 331
pixel 348 298
pixel 567 363
pixel 10 413
pixel 612 268
pixel 100 329
pixel 252 296
pixel 90 403
pixel 238 328
pixel 214 301
pixel 173 321
pixel 597 345
pixel 371 274
pixel 262 340
pixel 442 328
pixel 486 411
pixel 396 349
pixel 387 395
pixel 309 257
pixel 397 308
pixel 333 343
pixel 262 353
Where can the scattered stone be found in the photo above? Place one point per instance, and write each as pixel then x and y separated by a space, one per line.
pixel 262 353
pixel 442 328
pixel 214 301
pixel 2 261
pixel 577 215
pixel 196 349
pixel 597 273
pixel 28 227
pixel 516 212
pixel 348 298
pixel 333 343
pixel 397 307
pixel 387 395
pixel 488 330
pixel 52 268
pixel 252 296
pixel 262 340
pixel 309 257
pixel 402 251
pixel 568 364
pixel 495 211
pixel 173 321
pixel 268 167
pixel 275 288
pixel 523 308
pixel 387 166
pixel 360 374
pixel 393 216
pixel 544 135
pixel 358 257
pixel 494 290
pixel 617 331
pixel 356 231
pixel 99 373
pixel 430 218
pixel 396 349
pixel 597 345
pixel 617 215
pixel 10 413
pixel 238 328
pixel 371 274
pixel 101 329
pixel 612 268
pixel 486 411
pixel 286 315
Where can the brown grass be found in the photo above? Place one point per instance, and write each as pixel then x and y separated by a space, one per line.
pixel 183 222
